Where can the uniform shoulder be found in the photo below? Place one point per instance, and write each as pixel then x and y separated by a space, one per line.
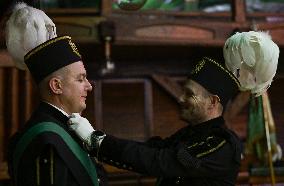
pixel 206 145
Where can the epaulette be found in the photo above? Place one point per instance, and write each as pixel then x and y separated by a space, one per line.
pixel 206 146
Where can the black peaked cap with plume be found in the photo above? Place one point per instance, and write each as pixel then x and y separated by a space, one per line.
pixel 51 56
pixel 216 79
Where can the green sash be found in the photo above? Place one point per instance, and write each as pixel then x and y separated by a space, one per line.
pixel 158 181
pixel 74 147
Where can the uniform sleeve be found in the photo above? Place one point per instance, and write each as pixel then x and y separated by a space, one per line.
pixel 167 162
pixel 155 142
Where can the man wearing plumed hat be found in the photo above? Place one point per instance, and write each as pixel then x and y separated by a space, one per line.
pixel 45 151
pixel 204 152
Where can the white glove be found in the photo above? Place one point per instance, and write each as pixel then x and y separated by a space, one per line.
pixel 81 126
pixel 278 154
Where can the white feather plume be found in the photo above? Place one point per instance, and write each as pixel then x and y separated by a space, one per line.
pixel 27 28
pixel 253 58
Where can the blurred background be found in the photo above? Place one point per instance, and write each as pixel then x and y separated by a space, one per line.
pixel 138 54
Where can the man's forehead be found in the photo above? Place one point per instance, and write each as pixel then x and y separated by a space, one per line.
pixel 76 69
pixel 76 65
pixel 193 85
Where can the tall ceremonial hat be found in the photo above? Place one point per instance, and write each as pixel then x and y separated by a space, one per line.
pixel 32 42
pixel 216 79
pixel 51 56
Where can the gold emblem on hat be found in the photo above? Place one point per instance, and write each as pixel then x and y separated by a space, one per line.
pixel 198 67
pixel 74 48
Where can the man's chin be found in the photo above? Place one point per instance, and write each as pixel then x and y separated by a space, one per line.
pixel 183 117
pixel 82 108
pixel 186 117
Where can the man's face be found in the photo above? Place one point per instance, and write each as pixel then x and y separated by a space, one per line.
pixel 194 103
pixel 75 88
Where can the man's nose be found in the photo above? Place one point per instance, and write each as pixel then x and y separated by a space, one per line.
pixel 89 86
pixel 181 99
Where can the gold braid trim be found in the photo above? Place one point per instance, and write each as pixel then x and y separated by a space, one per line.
pixel 211 150
pixel 232 77
pixel 192 145
pixel 51 166
pixel 198 67
pixel 44 45
pixel 37 171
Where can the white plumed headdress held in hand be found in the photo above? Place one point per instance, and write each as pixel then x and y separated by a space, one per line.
pixel 253 58
pixel 27 28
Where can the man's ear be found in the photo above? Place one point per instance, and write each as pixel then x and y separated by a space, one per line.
pixel 215 100
pixel 55 85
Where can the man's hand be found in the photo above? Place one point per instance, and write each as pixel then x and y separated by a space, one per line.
pixel 81 126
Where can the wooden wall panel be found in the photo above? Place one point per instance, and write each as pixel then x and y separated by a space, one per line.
pixel 277 101
pixel 16 103
pixel 166 113
pixel 123 109
pixel 174 32
pixel 2 116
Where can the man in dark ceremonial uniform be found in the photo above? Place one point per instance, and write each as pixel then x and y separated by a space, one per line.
pixel 46 152
pixel 204 152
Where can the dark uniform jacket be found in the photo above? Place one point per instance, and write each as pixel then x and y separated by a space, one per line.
pixel 48 159
pixel 206 154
